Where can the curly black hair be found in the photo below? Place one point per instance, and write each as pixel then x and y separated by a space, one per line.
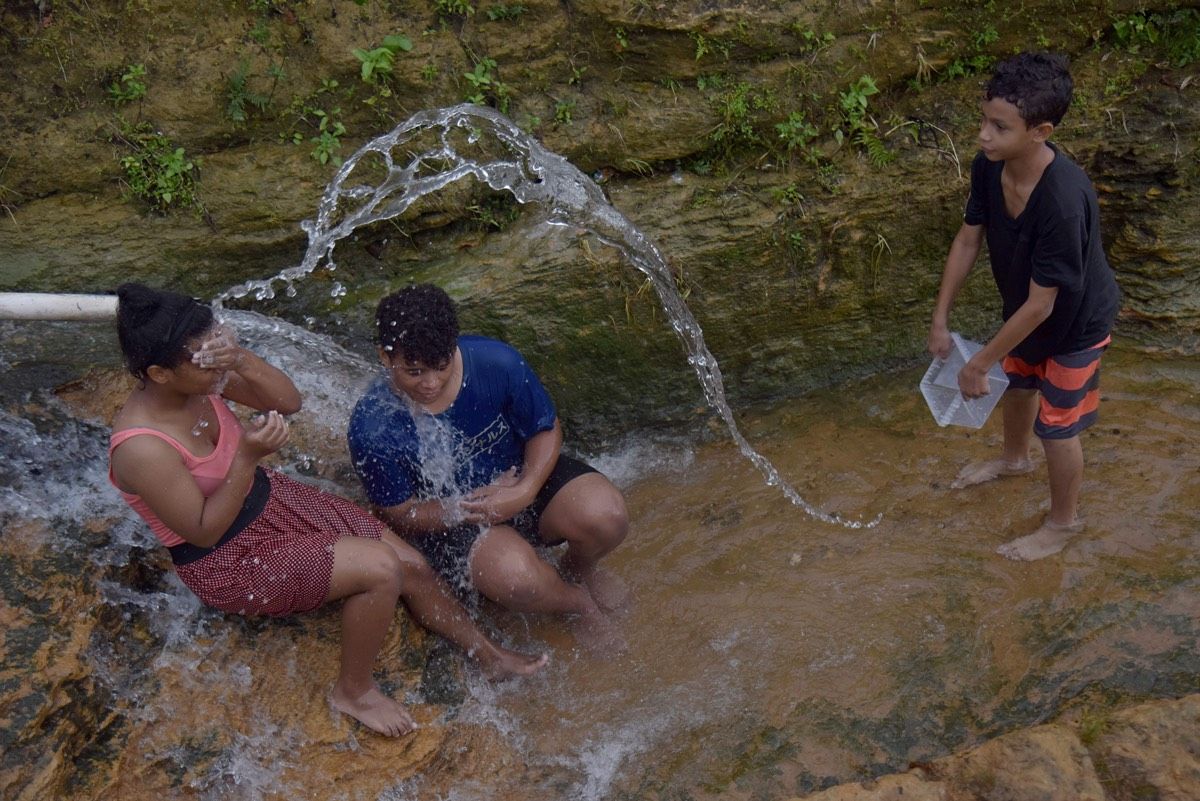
pixel 419 324
pixel 1038 84
pixel 154 326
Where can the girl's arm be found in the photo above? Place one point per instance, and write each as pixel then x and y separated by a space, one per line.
pixel 148 467
pixel 251 381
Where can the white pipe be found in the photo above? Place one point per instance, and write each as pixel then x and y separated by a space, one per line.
pixel 42 306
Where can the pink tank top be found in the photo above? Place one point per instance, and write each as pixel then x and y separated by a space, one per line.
pixel 209 471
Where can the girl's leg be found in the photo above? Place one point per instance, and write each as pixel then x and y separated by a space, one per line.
pixel 435 608
pixel 366 574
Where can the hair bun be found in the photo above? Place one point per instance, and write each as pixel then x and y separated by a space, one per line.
pixel 138 303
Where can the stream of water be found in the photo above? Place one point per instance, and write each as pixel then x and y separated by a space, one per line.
pixel 437 147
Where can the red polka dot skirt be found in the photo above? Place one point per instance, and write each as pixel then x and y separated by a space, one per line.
pixel 281 563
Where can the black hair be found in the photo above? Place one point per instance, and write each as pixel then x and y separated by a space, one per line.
pixel 419 324
pixel 1038 84
pixel 154 326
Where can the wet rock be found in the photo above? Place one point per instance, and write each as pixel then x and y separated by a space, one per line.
pixel 1151 751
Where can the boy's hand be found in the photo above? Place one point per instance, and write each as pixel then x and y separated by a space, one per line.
pixel 498 501
pixel 972 380
pixel 939 341
pixel 270 434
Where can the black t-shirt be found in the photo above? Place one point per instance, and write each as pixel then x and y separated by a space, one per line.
pixel 1055 242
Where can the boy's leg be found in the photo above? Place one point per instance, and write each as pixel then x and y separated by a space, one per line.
pixel 1064 462
pixel 435 608
pixel 589 514
pixel 506 569
pixel 1069 404
pixel 1019 408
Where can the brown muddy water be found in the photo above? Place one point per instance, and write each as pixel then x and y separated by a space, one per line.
pixel 770 654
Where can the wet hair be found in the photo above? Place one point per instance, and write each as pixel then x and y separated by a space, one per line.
pixel 154 326
pixel 1038 84
pixel 419 324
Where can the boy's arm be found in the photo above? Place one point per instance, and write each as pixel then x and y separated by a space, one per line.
pixel 964 250
pixel 972 379
pixel 503 498
pixel 420 517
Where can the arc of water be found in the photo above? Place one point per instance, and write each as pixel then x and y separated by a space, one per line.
pixel 533 175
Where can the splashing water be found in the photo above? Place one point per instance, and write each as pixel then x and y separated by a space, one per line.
pixel 533 175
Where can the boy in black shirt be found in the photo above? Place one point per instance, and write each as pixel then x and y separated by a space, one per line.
pixel 1039 213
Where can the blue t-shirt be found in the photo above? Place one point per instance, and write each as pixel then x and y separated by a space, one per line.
pixel 500 406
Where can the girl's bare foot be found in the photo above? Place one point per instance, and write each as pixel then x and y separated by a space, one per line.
pixel 374 710
pixel 1049 539
pixel 979 472
pixel 505 664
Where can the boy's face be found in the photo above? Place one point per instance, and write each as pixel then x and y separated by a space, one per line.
pixel 1003 134
pixel 420 382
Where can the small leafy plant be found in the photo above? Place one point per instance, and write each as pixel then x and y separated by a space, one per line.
pixel 129 86
pixel 239 95
pixel 377 63
pixel 158 171
pixel 858 125
pixel 1176 33
pixel 505 11
pixel 563 111
pixel 450 8
pixel 486 87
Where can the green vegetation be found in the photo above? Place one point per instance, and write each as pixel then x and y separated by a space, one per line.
pixel 796 132
pixel 239 95
pixel 563 110
pixel 739 108
pixel 129 86
pixel 320 115
pixel 328 140
pixel 505 11
pixel 704 46
pixel 813 42
pixel 378 62
pixel 1176 34
pixel 451 8
pixel 157 171
pixel 495 212
pixel 858 125
pixel 486 86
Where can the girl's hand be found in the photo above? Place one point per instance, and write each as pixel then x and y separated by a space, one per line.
pixel 220 351
pixel 269 435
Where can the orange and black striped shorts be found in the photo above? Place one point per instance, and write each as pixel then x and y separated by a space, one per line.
pixel 1069 386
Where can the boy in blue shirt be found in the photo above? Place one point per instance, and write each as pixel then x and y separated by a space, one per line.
pixel 1039 214
pixel 458 447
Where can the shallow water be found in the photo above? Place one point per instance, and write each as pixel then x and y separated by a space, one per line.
pixel 770 654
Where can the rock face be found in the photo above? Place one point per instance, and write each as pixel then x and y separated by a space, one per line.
pixel 1146 751
pixel 807 256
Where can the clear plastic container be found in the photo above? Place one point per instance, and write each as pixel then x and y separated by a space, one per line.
pixel 940 388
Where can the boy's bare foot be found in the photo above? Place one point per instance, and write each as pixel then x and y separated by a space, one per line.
pixel 1049 539
pixel 505 664
pixel 598 634
pixel 608 590
pixel 374 710
pixel 979 472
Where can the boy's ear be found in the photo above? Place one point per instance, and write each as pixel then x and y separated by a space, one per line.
pixel 385 357
pixel 1041 132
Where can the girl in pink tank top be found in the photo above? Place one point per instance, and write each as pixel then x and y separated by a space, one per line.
pixel 248 540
